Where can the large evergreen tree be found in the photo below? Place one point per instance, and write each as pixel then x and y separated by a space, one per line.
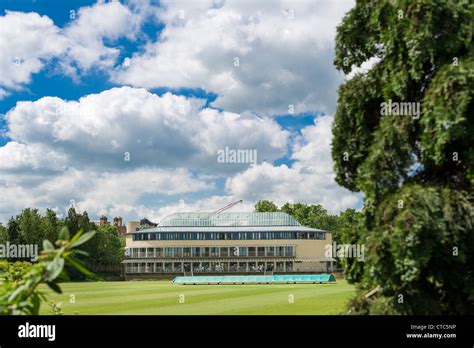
pixel 415 169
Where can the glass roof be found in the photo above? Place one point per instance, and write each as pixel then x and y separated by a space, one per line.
pixel 228 219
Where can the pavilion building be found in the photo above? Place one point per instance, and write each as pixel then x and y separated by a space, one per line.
pixel 226 243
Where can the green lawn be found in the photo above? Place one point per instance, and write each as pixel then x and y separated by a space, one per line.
pixel 162 297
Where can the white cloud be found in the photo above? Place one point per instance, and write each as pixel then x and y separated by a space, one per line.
pixel 29 42
pixel 310 179
pixel 3 93
pixel 96 24
pixel 285 52
pixel 63 150
pixel 160 131
pixel 93 191
pixel 16 156
pixel 75 150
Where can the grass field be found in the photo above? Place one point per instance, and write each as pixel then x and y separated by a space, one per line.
pixel 162 297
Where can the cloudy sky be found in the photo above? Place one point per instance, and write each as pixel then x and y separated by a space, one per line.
pixel 121 108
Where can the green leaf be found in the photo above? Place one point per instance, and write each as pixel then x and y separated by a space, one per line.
pixel 64 234
pixel 78 265
pixel 47 245
pixel 17 292
pixel 83 238
pixel 55 287
pixel 36 301
pixel 82 252
pixel 55 268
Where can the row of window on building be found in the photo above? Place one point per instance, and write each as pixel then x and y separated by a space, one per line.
pixel 227 235
pixel 236 251
pixel 208 267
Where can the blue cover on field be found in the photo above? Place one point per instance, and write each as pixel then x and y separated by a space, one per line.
pixel 270 279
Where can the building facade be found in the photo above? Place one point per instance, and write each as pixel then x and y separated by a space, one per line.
pixel 209 243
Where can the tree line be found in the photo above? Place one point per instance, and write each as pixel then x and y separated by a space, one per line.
pixel 106 247
pixel 316 216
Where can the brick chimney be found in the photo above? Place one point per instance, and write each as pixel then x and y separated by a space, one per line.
pixel 103 220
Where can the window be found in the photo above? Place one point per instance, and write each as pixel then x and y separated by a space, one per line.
pixel 187 252
pixel 261 251
pixel 288 250
pixel 280 251
pixel 168 267
pixel 195 252
pixel 214 252
pixel 233 267
pixel 280 266
pixel 252 251
pixel 243 251
pixel 205 252
pixel 224 252
pixel 149 268
pixel 205 267
pixel 187 266
pixel 159 267
pixel 168 252
pixel 271 251
pixel 252 267
pixel 178 252
pixel 269 266
pixel 158 252
pixel 177 267
pixel 150 252
pixel 242 267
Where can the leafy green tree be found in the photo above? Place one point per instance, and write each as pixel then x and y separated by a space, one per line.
pixel 72 221
pixel 13 231
pixel 106 248
pixel 111 247
pixel 84 222
pixel 416 169
pixel 3 234
pixel 29 223
pixel 350 224
pixel 265 206
pixel 19 293
pixel 50 226
pixel 313 215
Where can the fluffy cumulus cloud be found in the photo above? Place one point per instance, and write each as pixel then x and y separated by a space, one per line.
pixel 310 179
pixel 95 25
pixel 259 56
pixel 111 148
pixel 96 192
pixel 29 41
pixel 127 151
pixel 128 127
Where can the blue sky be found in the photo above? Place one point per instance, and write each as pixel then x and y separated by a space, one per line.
pixel 170 84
